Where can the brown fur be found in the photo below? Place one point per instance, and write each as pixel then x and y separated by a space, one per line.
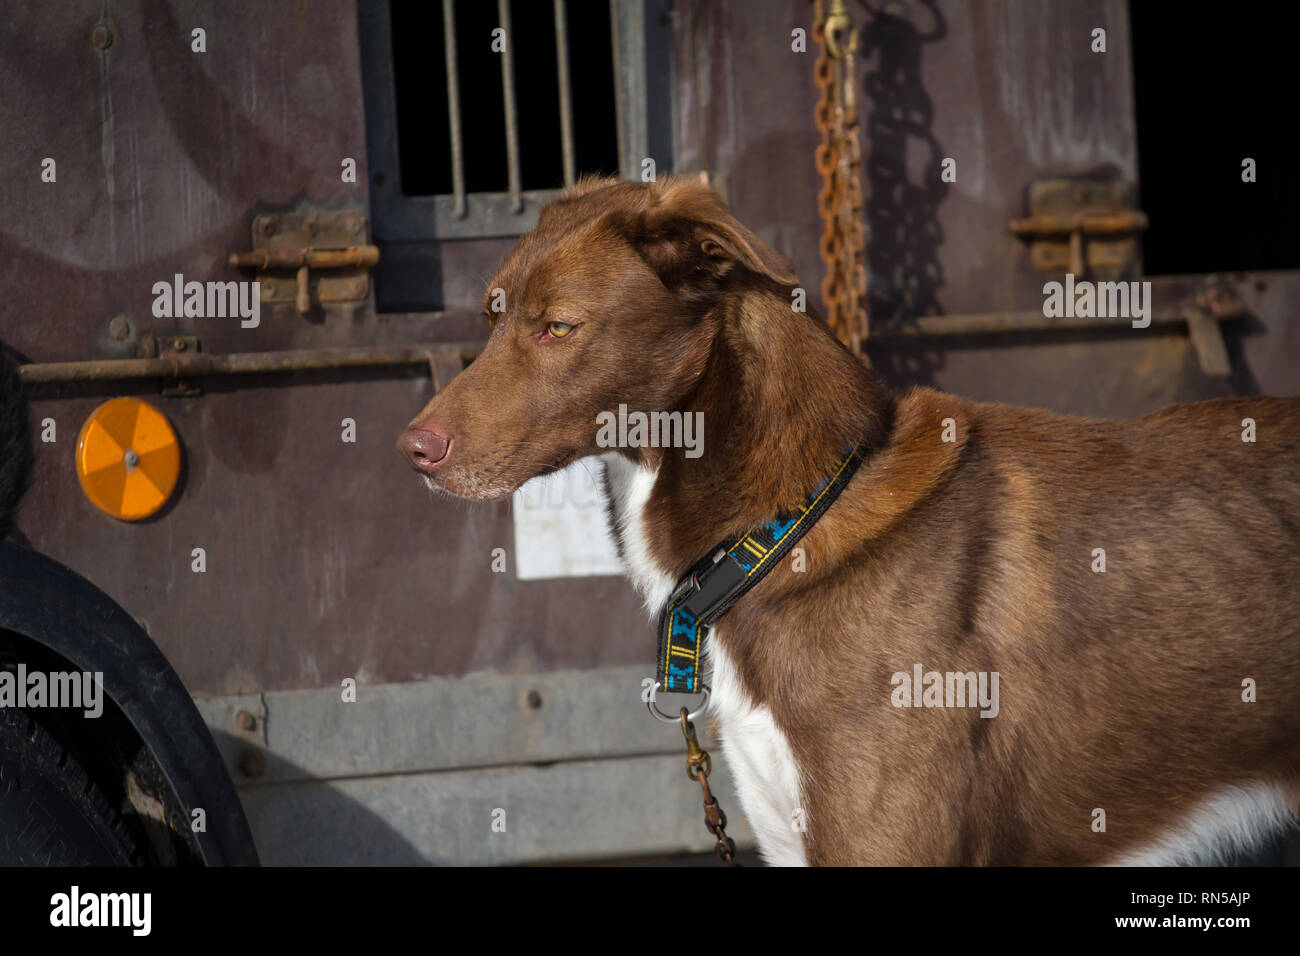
pixel 1119 690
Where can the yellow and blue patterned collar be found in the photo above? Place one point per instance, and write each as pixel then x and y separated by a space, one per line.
pixel 722 577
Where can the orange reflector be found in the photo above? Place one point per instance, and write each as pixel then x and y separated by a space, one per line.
pixel 128 459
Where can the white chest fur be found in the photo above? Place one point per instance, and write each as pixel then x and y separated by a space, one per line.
pixel 761 763
pixel 629 487
pixel 756 752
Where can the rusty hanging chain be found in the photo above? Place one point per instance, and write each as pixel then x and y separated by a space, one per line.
pixel 698 766
pixel 844 289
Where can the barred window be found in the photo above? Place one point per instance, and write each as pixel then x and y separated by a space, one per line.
pixel 478 113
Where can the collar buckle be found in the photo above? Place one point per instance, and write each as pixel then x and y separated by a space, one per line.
pixel 708 591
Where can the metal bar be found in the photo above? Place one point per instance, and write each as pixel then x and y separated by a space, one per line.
pixel 512 118
pixel 620 120
pixel 198 364
pixel 453 109
pixel 1002 323
pixel 566 91
pixel 500 731
pixel 1089 223
pixel 293 257
pixel 430 217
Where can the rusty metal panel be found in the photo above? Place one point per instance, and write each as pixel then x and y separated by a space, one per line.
pixel 324 559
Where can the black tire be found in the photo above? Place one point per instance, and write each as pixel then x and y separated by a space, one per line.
pixel 51 812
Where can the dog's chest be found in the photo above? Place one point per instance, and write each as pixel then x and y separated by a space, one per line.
pixel 756 752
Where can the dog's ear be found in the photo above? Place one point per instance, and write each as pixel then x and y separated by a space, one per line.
pixel 684 228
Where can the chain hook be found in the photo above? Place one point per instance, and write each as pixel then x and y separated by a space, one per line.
pixel 837 21
pixel 697 758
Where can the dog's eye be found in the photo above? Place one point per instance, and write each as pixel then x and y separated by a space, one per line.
pixel 558 330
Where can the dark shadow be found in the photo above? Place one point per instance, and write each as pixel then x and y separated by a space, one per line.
pixel 1230 225
pixel 322 817
pixel 902 206
pixel 202 116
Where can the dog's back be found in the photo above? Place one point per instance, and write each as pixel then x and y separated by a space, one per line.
pixel 1134 584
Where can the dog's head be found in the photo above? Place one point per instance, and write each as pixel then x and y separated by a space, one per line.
pixel 610 300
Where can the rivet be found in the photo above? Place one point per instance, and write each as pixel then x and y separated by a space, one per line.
pixel 101 36
pixel 245 721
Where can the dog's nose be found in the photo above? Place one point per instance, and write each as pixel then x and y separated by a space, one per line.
pixel 425 450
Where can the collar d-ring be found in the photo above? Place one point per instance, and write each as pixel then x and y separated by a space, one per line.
pixel 675 718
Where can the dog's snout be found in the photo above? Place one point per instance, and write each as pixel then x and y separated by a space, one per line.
pixel 424 449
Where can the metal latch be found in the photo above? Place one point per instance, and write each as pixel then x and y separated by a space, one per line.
pixel 322 254
pixel 1087 227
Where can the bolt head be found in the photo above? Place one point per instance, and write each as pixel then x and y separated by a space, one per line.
pixel 101 37
pixel 119 328
pixel 245 721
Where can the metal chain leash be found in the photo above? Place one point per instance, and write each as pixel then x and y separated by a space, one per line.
pixel 698 766
pixel 844 289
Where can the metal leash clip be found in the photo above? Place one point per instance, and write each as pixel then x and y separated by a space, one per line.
pixel 698 767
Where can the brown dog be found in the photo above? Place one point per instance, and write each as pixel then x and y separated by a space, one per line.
pixel 1015 638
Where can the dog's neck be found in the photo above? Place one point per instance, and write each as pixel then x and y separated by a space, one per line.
pixel 781 401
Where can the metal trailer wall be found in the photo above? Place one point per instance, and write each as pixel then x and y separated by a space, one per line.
pixel 325 560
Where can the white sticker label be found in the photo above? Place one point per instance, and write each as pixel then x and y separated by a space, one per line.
pixel 560 526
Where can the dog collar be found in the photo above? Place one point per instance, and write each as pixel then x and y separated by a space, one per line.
pixel 727 573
